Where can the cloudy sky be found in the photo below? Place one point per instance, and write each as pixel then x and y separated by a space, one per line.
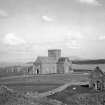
pixel 29 27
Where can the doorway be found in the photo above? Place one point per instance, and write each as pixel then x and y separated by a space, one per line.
pixel 37 71
pixel 98 85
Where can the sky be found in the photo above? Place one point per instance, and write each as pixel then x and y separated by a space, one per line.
pixel 28 28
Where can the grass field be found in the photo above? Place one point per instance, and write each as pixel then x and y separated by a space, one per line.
pixel 41 83
pixel 24 88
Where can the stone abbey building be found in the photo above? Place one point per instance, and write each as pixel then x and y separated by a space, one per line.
pixel 53 63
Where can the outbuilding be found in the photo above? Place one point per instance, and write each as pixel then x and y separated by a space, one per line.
pixel 97 79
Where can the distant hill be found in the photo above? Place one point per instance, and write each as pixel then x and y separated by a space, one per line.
pixel 29 62
pixel 13 64
pixel 75 58
pixel 96 61
pixel 8 64
pixel 78 60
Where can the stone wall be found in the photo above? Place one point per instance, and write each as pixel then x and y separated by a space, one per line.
pixel 48 68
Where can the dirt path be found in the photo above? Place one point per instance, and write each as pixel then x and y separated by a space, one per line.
pixel 59 89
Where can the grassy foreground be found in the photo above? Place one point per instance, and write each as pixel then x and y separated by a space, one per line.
pixel 80 95
pixel 73 95
pixel 10 97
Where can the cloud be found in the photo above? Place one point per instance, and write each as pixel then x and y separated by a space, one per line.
pixel 102 38
pixel 12 39
pixel 73 44
pixel 73 39
pixel 74 35
pixel 47 19
pixel 93 2
pixel 3 13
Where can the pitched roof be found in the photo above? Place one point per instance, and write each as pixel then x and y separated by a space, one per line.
pixel 44 59
pixel 97 72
